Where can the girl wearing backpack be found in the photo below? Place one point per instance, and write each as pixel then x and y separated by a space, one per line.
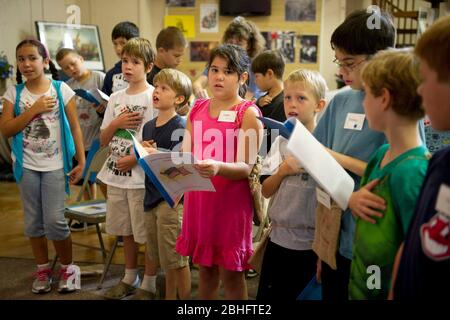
pixel 41 117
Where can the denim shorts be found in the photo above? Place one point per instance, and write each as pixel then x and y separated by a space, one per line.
pixel 43 195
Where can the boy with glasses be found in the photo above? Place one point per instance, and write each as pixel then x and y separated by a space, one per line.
pixel 344 130
pixel 348 67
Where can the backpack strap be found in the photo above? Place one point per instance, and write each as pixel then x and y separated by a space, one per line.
pixel 19 89
pixel 17 142
pixel 67 143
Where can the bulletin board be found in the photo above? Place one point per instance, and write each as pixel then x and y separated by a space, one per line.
pixel 300 30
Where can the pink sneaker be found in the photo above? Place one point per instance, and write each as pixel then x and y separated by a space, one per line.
pixel 69 279
pixel 43 281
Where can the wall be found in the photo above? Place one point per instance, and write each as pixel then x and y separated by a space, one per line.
pixel 333 14
pixel 274 22
pixel 17 22
pixel 17 19
pixel 106 14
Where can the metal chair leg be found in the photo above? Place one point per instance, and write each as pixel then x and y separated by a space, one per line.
pixel 55 259
pixel 108 263
pixel 100 239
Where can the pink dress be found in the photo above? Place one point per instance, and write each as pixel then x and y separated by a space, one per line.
pixel 217 226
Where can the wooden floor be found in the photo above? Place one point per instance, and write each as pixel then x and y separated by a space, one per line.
pixel 14 244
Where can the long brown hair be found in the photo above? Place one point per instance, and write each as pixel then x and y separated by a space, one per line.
pixel 42 52
pixel 237 60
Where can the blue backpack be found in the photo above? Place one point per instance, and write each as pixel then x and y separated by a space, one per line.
pixel 67 143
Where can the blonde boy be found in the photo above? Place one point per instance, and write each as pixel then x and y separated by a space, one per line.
pixel 395 172
pixel 127 109
pixel 293 203
pixel 163 223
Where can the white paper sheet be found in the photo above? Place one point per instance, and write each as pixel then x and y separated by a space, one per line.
pixel 325 170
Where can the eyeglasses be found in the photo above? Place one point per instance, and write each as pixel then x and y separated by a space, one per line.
pixel 348 66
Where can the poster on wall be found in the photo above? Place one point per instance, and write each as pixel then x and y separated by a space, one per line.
pixel 209 18
pixel 300 10
pixel 200 50
pixel 284 41
pixel 185 23
pixel 268 36
pixel 286 44
pixel 308 49
pixel 180 3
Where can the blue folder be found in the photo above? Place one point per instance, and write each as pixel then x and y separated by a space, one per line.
pixel 312 291
pixel 87 96
pixel 285 128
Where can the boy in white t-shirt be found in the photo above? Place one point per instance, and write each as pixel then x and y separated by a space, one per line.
pixel 127 110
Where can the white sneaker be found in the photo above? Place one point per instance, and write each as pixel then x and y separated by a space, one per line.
pixel 69 279
pixel 43 281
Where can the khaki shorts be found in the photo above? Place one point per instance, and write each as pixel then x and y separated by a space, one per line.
pixel 163 226
pixel 125 213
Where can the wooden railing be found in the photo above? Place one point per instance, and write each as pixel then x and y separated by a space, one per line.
pixel 406 16
pixel 405 19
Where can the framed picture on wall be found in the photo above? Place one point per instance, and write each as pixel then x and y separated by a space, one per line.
pixel 308 49
pixel 180 3
pixel 300 10
pixel 83 38
pixel 200 50
pixel 285 43
pixel 209 18
pixel 267 35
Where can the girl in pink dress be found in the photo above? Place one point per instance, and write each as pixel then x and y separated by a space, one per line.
pixel 225 135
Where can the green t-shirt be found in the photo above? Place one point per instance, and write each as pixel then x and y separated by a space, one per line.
pixel 377 244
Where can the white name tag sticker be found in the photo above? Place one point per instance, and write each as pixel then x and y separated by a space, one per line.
pixel 227 116
pixel 355 121
pixel 443 200
pixel 323 197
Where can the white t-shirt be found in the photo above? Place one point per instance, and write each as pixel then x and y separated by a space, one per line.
pixel 118 82
pixel 88 118
pixel 42 135
pixel 121 144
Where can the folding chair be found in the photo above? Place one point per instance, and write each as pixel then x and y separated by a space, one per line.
pixel 92 211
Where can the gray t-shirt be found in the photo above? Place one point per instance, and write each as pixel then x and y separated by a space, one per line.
pixel 292 208
pixel 88 118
